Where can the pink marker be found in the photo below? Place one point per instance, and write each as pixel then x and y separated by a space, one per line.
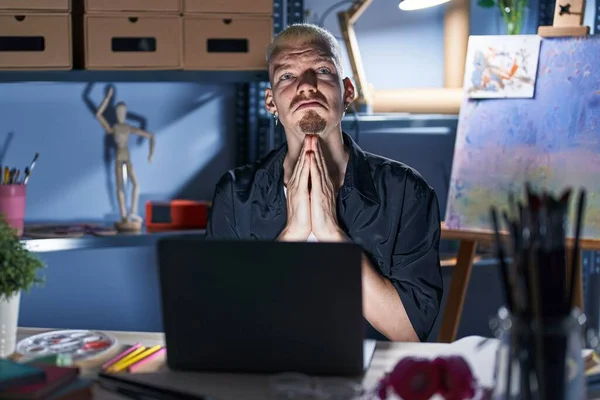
pixel 134 367
pixel 120 356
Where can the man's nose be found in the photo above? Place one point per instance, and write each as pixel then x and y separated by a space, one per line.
pixel 307 83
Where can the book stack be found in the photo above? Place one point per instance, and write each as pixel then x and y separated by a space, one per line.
pixel 42 381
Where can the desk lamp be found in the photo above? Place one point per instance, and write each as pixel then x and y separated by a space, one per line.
pixel 444 100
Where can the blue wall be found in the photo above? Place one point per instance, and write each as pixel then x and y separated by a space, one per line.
pixel 74 177
pixel 117 288
pixel 74 180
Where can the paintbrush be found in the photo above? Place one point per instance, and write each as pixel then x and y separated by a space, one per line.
pixel 575 265
pixel 29 170
pixel 504 275
pixel 534 343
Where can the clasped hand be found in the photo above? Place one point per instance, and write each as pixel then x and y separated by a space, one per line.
pixel 311 197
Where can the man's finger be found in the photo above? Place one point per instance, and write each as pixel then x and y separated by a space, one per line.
pixel 299 163
pixel 316 178
pixel 306 170
pixel 319 160
pixel 309 141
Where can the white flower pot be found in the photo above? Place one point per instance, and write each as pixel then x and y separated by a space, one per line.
pixel 9 318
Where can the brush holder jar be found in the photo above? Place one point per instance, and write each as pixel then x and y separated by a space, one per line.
pixel 539 360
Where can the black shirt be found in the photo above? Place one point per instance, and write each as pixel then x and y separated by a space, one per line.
pixel 384 206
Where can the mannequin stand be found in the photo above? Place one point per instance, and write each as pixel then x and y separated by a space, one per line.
pixel 128 226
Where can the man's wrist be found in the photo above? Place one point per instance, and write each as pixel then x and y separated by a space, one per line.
pixel 291 235
pixel 335 234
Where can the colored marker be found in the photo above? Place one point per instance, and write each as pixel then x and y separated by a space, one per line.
pixel 123 354
pixel 128 357
pixel 137 365
pixel 121 366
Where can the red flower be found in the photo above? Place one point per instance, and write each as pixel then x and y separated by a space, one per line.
pixel 456 379
pixel 420 379
pixel 415 379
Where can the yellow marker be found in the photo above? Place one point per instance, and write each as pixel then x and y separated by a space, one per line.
pixel 6 175
pixel 126 358
pixel 136 358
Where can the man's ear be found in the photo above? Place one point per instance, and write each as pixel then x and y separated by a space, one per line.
pixel 349 92
pixel 269 103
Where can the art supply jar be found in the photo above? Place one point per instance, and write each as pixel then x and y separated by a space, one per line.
pixel 539 360
pixel 12 205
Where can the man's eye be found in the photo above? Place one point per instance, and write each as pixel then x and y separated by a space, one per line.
pixel 324 70
pixel 285 76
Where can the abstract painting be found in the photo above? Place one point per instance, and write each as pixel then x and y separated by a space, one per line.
pixel 551 141
pixel 502 66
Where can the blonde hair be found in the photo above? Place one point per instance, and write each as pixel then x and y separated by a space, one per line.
pixel 311 33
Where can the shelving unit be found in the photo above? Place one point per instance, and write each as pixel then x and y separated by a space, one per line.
pixel 255 129
pixel 133 76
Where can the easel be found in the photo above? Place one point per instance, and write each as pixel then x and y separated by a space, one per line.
pixel 568 20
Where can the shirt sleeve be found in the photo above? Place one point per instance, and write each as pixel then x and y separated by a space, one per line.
pixel 221 221
pixel 415 269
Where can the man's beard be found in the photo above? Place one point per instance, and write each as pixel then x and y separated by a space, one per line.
pixel 312 123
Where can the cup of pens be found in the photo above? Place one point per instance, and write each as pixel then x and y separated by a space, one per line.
pixel 12 205
pixel 13 194
pixel 540 329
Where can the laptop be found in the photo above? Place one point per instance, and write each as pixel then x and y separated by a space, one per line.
pixel 262 307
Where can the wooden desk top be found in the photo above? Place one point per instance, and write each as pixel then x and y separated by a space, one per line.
pixel 385 357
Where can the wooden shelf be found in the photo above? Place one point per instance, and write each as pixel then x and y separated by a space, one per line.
pixel 8 76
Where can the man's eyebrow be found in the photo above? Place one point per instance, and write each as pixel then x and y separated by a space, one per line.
pixel 277 67
pixel 325 59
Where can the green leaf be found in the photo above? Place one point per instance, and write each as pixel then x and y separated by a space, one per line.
pixel 486 3
pixel 18 267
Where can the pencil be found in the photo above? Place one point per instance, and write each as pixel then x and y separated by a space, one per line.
pixel 122 355
pixel 140 356
pixel 128 357
pixel 138 364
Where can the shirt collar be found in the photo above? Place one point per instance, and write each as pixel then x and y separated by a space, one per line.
pixel 357 177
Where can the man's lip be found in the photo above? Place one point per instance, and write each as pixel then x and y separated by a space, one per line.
pixel 305 104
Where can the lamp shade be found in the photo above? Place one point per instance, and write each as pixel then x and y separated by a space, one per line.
pixel 408 5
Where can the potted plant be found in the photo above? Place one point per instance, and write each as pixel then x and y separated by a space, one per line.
pixel 511 11
pixel 18 272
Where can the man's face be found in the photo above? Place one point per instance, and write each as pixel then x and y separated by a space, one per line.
pixel 307 92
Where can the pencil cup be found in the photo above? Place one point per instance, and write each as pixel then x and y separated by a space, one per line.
pixel 12 205
pixel 539 361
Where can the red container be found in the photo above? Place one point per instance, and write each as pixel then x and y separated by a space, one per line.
pixel 12 205
pixel 176 215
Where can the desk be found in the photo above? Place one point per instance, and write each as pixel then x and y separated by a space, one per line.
pixel 228 386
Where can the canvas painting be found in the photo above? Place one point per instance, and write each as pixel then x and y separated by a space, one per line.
pixel 551 141
pixel 502 66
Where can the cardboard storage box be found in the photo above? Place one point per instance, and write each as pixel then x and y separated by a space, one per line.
pixel 122 41
pixel 226 41
pixel 36 5
pixel 163 6
pixel 35 41
pixel 228 6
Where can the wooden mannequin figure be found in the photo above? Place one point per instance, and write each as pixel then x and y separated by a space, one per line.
pixel 121 131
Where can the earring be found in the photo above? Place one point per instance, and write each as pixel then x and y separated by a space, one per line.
pixel 275 116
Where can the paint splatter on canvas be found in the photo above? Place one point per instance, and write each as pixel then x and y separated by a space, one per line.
pixel 502 66
pixel 551 141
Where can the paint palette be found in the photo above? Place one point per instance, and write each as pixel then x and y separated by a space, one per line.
pixel 79 344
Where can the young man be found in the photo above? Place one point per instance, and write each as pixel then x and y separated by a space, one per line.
pixel 321 186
